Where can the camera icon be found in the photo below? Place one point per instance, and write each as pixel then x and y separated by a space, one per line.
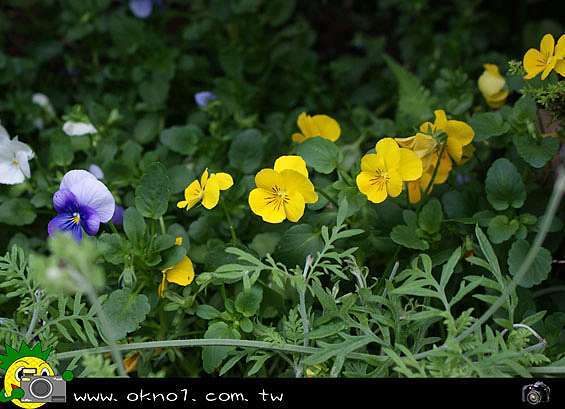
pixel 536 393
pixel 42 389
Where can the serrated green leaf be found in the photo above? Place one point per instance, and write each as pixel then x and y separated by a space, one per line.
pixel 538 271
pixel 504 185
pixel 320 154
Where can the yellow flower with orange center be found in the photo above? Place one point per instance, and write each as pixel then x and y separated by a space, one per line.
pixel 382 174
pixel 283 192
pixel 549 57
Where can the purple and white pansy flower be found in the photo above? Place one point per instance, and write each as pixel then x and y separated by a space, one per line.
pixel 82 203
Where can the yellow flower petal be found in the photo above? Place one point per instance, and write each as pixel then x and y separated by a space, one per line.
pixel 459 134
pixel 192 194
pixel 306 125
pixel 427 127
pixel 182 273
pixel 225 181
pixel 294 206
pixel 204 178
pixel 547 46
pixel 292 162
pixel 440 122
pixel 388 149
pixel 491 82
pixel 414 192
pixel 560 48
pixel 178 241
pixel 298 137
pixel 211 195
pixel 262 204
pixel 444 169
pixel 560 67
pixel 375 192
pixel 406 142
pixel 182 204
pixel 371 162
pixel 533 62
pixel 394 183
pixel 548 67
pixel 328 127
pixel 410 167
pixel 294 181
pixel 267 178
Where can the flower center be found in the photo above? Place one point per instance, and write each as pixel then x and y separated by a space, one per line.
pixel 76 218
pixel 380 178
pixel 278 197
pixel 15 162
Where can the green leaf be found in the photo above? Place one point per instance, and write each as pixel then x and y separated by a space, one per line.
pixel 415 102
pixel 112 247
pixel 147 128
pixel 125 312
pixel 538 271
pixel 320 154
pixel 212 357
pixel 207 312
pixel 17 212
pixel 247 150
pixel 536 152
pixel 488 124
pixel 297 243
pixel 500 229
pixel 504 185
pixel 248 301
pixel 431 217
pixel 182 139
pixel 406 236
pixel 152 193
pixel 134 225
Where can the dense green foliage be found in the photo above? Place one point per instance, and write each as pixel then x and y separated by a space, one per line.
pixel 467 282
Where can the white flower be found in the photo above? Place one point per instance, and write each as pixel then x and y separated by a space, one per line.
pixel 43 101
pixel 14 157
pixel 78 128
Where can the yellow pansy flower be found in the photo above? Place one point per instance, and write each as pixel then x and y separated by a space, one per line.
pixel 182 274
pixel 547 58
pixel 282 192
pixel 382 174
pixel 493 86
pixel 206 190
pixel 427 145
pixel 178 241
pixel 318 125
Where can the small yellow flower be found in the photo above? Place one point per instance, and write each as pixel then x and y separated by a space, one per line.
pixel 317 125
pixel 493 86
pixel 427 145
pixel 182 274
pixel 382 174
pixel 207 190
pixel 282 192
pixel 547 58
pixel 178 241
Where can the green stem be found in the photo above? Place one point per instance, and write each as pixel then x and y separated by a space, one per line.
pixel 434 173
pixel 162 224
pixel 188 343
pixel 328 197
pixel 234 238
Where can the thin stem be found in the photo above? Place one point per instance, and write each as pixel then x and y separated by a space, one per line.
pixel 436 168
pixel 188 343
pixel 34 316
pixel 234 238
pixel 328 197
pixel 549 290
pixel 162 224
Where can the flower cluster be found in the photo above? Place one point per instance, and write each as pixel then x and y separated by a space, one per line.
pixel 549 57
pixel 14 158
pixel 438 145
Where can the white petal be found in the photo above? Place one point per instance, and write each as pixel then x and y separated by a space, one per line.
pixel 96 171
pixel 4 136
pixel 10 174
pixel 18 146
pixel 78 128
pixel 23 164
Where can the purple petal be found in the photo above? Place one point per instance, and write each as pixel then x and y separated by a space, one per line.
pixel 96 171
pixel 64 201
pixel 118 217
pixel 203 98
pixel 64 223
pixel 141 8
pixel 90 192
pixel 89 220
